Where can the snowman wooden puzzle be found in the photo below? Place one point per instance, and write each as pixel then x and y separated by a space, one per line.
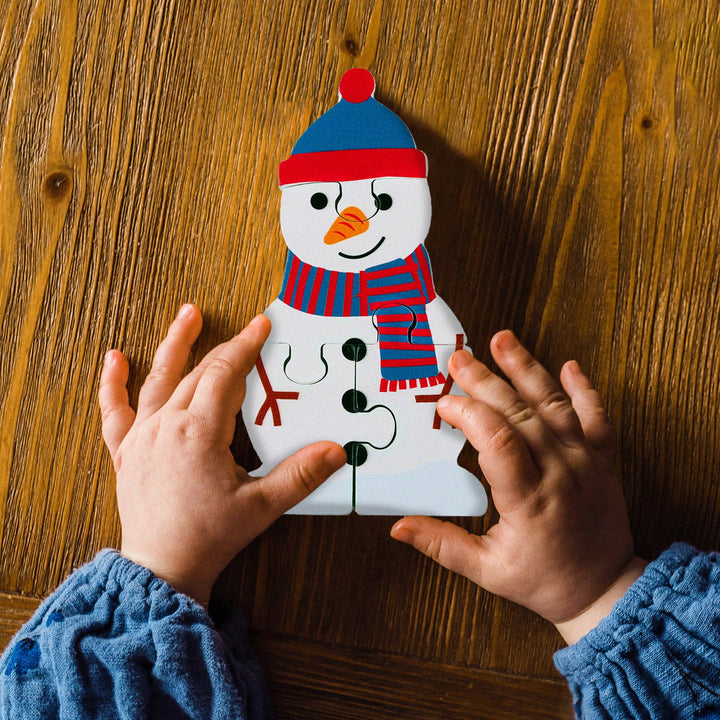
pixel 360 340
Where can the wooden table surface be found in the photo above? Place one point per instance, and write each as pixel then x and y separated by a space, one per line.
pixel 573 151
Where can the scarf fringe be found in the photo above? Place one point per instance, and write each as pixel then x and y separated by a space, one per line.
pixel 395 385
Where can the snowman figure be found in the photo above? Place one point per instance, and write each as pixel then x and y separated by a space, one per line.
pixel 360 340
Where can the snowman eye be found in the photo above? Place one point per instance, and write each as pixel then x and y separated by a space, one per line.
pixel 383 201
pixel 319 200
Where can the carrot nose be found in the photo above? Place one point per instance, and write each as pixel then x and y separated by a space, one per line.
pixel 349 223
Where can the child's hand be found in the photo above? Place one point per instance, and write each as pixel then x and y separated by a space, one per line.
pixel 186 508
pixel 562 546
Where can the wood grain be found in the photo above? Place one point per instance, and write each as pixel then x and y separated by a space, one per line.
pixel 354 685
pixel 574 167
pixel 15 611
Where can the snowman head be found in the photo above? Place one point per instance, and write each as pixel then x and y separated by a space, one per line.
pixel 354 189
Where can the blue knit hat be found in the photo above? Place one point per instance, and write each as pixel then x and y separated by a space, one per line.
pixel 357 138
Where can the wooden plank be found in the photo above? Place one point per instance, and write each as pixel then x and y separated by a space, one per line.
pixel 382 596
pixel 347 684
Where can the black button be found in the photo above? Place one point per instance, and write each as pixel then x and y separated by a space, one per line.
pixel 354 349
pixel 354 401
pixel 357 453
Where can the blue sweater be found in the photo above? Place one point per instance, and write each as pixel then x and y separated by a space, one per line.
pixel 114 641
pixel 657 655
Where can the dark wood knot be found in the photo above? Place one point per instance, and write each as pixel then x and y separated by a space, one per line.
pixel 351 46
pixel 58 184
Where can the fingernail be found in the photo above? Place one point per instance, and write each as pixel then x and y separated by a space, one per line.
pixel 443 402
pixel 335 457
pixel 255 320
pixel 186 310
pixel 461 358
pixel 506 341
pixel 109 357
pixel 573 367
pixel 400 531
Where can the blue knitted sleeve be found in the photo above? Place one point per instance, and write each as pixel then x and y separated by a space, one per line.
pixel 657 655
pixel 114 641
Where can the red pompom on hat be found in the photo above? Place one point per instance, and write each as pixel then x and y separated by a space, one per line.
pixel 357 85
pixel 357 138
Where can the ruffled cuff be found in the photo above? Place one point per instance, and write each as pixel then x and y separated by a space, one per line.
pixel 657 655
pixel 116 641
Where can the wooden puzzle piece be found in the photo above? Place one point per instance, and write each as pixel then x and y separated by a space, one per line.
pixel 393 439
pixel 419 474
pixel 276 415
pixel 305 363
pixel 371 428
pixel 304 360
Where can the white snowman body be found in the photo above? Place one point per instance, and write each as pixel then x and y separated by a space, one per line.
pixel 335 364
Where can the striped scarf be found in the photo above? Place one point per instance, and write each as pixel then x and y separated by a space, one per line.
pixel 394 294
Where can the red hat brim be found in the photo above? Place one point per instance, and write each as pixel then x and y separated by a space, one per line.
pixel 346 165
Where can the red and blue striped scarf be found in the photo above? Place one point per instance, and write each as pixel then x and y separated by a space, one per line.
pixel 394 294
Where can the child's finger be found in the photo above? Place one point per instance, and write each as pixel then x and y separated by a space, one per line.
pixel 475 379
pixel 503 456
pixel 220 389
pixel 590 409
pixel 170 360
pixel 184 392
pixel 447 544
pixel 536 386
pixel 117 415
pixel 267 498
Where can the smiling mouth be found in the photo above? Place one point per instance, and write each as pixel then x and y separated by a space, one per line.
pixel 365 254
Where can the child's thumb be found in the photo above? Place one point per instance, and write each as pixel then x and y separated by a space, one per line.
pixel 447 544
pixel 297 476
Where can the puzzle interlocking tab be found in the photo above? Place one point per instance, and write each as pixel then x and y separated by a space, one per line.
pixel 360 341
